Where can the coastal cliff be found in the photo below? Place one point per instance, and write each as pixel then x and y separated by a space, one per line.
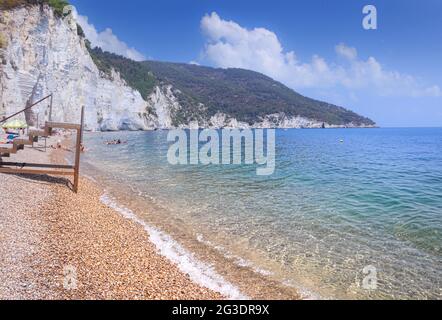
pixel 43 53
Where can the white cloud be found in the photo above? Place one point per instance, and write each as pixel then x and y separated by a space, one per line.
pixel 231 45
pixel 346 52
pixel 107 41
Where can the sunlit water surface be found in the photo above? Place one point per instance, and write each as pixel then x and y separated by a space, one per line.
pixel 339 201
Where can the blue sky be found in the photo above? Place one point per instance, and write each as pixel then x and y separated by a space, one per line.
pixel 319 48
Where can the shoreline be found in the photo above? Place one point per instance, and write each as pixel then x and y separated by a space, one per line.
pixel 59 245
pixel 235 277
pixel 114 253
pixel 235 128
pixel 159 196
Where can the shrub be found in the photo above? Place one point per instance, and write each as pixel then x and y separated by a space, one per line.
pixel 11 4
pixel 57 5
pixel 80 31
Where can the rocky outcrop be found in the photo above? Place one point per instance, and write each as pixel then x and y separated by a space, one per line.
pixel 42 54
pixel 45 55
pixel 280 120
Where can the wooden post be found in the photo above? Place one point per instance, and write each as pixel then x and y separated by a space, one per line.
pixel 78 152
pixel 82 124
pixel 50 109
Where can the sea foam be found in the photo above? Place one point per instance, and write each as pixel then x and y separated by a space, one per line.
pixel 200 272
pixel 239 261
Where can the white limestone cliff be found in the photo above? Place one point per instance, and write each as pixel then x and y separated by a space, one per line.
pixel 43 54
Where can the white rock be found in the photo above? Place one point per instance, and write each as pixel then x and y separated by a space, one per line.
pixel 45 55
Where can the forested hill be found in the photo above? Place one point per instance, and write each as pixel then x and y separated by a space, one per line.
pixel 242 94
pixel 202 92
pixel 247 95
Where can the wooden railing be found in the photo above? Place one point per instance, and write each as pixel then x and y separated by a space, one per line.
pixel 29 107
pixel 28 168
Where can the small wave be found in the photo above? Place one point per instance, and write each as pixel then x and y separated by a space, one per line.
pixel 305 293
pixel 241 262
pixel 199 272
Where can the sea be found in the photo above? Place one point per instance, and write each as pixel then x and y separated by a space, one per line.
pixel 347 214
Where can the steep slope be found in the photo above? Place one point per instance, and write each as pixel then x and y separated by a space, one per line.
pixel 43 53
pixel 248 96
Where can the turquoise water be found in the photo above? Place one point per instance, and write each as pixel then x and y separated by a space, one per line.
pixel 331 209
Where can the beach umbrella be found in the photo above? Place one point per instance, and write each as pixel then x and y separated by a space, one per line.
pixel 15 124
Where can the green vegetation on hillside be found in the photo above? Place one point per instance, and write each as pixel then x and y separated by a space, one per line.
pixel 57 5
pixel 135 74
pixel 10 4
pixel 242 94
pixel 247 95
pixel 80 31
pixel 203 92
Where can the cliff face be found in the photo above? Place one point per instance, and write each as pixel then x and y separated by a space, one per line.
pixel 43 54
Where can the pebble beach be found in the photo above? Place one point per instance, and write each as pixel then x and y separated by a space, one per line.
pixel 55 244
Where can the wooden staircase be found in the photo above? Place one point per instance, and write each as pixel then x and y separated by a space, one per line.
pixel 33 136
pixel 19 143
